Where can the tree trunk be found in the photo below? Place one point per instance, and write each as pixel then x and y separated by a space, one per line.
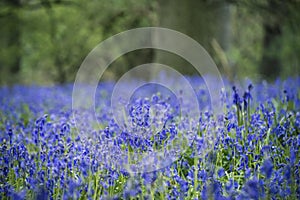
pixel 15 42
pixel 201 20
pixel 11 34
pixel 270 62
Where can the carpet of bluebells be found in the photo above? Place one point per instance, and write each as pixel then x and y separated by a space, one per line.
pixel 254 153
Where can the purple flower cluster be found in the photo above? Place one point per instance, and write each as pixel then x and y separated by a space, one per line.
pixel 252 152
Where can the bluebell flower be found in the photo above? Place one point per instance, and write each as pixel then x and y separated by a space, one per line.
pixel 287 172
pixel 247 173
pixel 292 156
pixel 42 193
pixel 184 186
pixel 274 189
pixel 267 168
pixel 204 194
pixel 202 175
pixel 236 98
pixel 20 195
pixel 221 172
pixel 229 186
pixel 251 188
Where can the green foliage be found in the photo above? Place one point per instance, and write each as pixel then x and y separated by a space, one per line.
pixel 45 41
pixel 56 37
pixel 247 36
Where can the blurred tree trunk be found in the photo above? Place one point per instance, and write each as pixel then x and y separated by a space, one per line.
pixel 270 62
pixel 11 36
pixel 14 41
pixel 60 75
pixel 272 27
pixel 202 20
pixel 275 15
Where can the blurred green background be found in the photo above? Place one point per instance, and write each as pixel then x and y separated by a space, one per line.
pixel 45 41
